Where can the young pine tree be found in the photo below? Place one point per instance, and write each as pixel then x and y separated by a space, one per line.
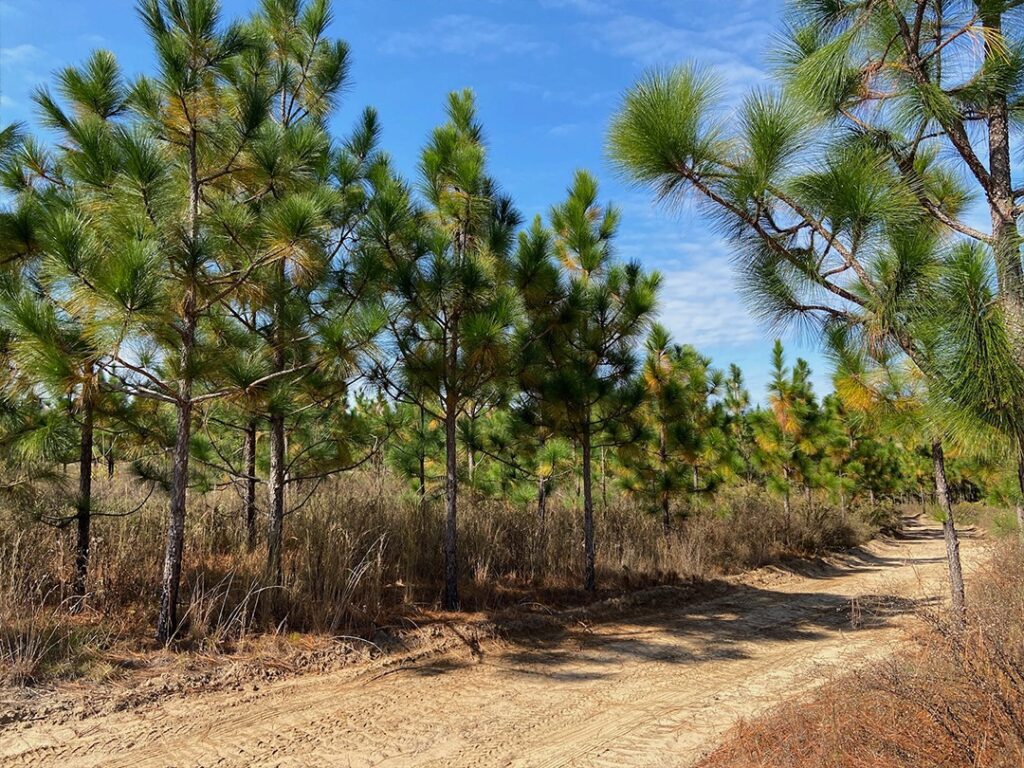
pixel 579 362
pixel 452 304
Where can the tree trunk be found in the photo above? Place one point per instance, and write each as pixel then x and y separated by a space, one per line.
pixel 167 621
pixel 423 457
pixel 590 575
pixel 83 512
pixel 275 519
pixel 786 508
pixel 451 490
pixel 1005 235
pixel 604 484
pixel 956 575
pixel 542 515
pixel 249 499
pixel 1020 483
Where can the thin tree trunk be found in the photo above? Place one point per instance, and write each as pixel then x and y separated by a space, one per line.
pixel 249 499
pixel 423 458
pixel 275 519
pixel 666 520
pixel 167 621
pixel 167 618
pixel 542 515
pixel 956 575
pixel 786 508
pixel 604 484
pixel 83 512
pixel 1020 484
pixel 110 459
pixel 590 577
pixel 451 490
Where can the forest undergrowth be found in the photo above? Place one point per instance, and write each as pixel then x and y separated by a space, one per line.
pixel 362 555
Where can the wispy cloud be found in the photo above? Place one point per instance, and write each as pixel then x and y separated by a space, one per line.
pixel 699 300
pixel 564 129
pixel 464 35
pixel 649 42
pixel 730 39
pixel 572 98
pixel 19 54
pixel 700 305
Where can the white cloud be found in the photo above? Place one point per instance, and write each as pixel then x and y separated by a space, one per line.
pixel 564 129
pixel 464 35
pixel 700 305
pixel 19 54
pixel 581 99
pixel 651 42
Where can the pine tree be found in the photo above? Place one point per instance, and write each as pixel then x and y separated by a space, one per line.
pixel 452 304
pixel 579 362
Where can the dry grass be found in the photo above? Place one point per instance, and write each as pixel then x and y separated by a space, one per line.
pixel 955 700
pixel 359 555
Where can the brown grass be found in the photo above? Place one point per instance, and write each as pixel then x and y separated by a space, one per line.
pixel 361 554
pixel 956 699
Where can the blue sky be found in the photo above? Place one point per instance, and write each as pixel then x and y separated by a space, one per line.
pixel 548 75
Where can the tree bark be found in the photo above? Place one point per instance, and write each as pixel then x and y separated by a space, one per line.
pixel 167 620
pixel 666 520
pixel 249 498
pixel 83 512
pixel 1020 484
pixel 1006 237
pixel 786 508
pixel 423 457
pixel 956 575
pixel 590 570
pixel 275 487
pixel 604 484
pixel 451 490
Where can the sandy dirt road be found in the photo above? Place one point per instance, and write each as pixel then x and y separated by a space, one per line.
pixel 655 685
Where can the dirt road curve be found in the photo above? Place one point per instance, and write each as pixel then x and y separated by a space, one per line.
pixel 653 687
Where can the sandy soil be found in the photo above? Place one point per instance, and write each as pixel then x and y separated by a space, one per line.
pixel 654 684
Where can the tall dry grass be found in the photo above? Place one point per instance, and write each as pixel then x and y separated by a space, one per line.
pixel 955 700
pixel 359 554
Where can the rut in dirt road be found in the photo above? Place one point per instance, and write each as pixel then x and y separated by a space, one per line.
pixel 655 685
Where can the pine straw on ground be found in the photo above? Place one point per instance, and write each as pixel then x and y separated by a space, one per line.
pixel 954 699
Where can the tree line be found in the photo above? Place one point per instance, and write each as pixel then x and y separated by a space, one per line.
pixel 204 284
